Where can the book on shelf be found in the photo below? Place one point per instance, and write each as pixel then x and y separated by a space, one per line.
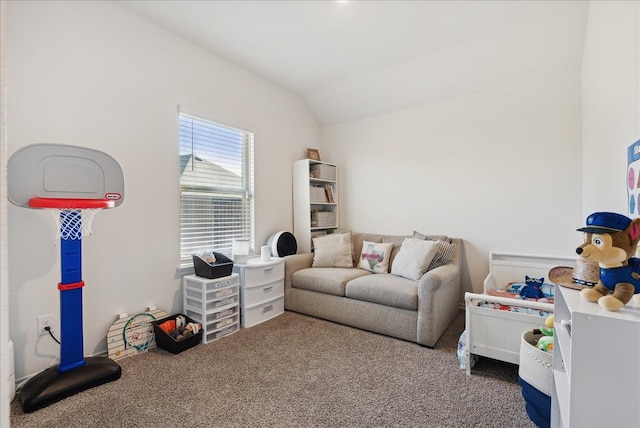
pixel 328 188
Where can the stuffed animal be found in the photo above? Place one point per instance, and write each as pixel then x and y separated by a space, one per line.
pixel 545 342
pixel 189 330
pixel 179 329
pixel 533 288
pixel 611 240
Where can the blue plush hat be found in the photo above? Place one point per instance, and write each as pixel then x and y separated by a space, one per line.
pixel 604 222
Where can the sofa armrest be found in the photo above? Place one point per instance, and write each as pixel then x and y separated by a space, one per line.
pixel 292 264
pixel 438 298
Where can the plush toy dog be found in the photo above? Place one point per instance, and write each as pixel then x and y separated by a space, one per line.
pixel 611 240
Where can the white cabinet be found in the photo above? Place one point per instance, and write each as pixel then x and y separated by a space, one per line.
pixel 214 303
pixel 261 290
pixel 315 201
pixel 596 364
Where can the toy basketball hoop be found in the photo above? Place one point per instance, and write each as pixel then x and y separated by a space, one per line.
pixel 73 217
pixel 73 184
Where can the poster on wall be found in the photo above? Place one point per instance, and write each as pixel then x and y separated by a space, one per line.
pixel 633 179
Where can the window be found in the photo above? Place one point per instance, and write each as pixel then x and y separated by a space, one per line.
pixel 216 187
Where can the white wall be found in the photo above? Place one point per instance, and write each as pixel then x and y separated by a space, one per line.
pixel 5 372
pixel 611 107
pixel 500 169
pixel 92 74
pixel 515 169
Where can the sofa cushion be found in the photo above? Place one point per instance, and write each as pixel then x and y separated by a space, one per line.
pixel 385 289
pixel 333 250
pixel 414 258
pixel 326 280
pixel 374 256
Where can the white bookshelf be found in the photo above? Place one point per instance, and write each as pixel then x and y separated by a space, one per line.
pixel 314 212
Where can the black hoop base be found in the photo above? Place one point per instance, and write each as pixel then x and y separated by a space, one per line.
pixel 51 386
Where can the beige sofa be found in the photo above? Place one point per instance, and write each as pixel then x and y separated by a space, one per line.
pixel 415 310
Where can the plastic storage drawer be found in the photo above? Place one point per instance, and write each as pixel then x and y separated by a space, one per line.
pixel 218 334
pixel 211 305
pixel 262 312
pixel 214 316
pixel 206 285
pixel 264 292
pixel 263 274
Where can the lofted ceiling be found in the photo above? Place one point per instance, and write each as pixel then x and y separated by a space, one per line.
pixel 349 60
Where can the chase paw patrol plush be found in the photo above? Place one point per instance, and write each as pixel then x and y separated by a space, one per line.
pixel 611 240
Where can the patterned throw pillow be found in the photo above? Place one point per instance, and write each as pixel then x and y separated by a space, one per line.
pixel 414 258
pixel 374 256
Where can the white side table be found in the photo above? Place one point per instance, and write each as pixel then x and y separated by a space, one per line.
pixel 261 290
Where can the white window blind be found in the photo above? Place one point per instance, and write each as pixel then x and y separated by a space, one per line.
pixel 216 187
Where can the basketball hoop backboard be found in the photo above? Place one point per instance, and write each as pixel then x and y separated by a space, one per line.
pixel 63 172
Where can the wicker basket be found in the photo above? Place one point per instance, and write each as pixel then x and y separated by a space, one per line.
pixel 535 375
pixel 535 364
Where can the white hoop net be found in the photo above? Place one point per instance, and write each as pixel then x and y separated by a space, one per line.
pixel 73 223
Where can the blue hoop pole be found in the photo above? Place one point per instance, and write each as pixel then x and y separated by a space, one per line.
pixel 71 340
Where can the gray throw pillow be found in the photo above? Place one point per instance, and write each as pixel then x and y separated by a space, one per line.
pixel 444 252
pixel 418 235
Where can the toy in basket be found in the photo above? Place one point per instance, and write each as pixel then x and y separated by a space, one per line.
pixel 177 333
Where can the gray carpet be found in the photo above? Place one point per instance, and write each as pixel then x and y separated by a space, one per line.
pixel 297 371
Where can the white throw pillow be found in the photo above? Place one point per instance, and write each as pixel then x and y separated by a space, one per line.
pixel 413 258
pixel 374 256
pixel 333 250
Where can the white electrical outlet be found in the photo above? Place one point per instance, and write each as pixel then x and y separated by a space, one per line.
pixel 45 321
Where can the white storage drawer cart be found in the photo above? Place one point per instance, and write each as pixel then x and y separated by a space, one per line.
pixel 497 333
pixel 261 290
pixel 214 303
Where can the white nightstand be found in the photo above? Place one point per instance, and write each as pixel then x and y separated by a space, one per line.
pixel 261 290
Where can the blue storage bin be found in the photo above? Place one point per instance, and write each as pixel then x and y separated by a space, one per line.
pixel 537 404
pixel 535 375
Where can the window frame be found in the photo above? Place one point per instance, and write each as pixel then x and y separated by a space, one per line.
pixel 233 189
